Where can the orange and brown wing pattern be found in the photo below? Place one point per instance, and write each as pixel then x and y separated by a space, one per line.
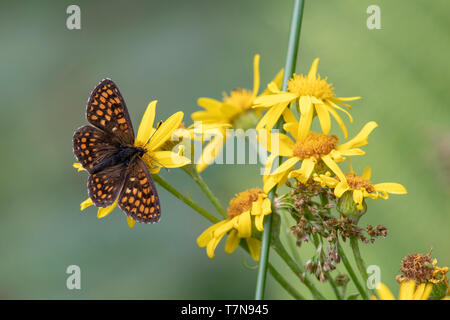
pixel 106 110
pixel 91 146
pixel 138 197
pixel 104 186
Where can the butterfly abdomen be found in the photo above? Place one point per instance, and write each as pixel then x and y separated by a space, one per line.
pixel 124 155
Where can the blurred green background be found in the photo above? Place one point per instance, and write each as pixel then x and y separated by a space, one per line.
pixel 177 51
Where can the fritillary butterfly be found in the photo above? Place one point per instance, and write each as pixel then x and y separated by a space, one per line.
pixel 106 150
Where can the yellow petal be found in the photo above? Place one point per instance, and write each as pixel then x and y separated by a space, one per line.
pixel 367 173
pixel 339 121
pixel 394 188
pixel 211 247
pixel 407 290
pixel 232 242
pixel 103 212
pixel 358 198
pixel 275 84
pixel 286 166
pixel 254 246
pixel 289 116
pixel 146 126
pixel 330 104
pixel 273 99
pixel 78 166
pixel 427 292
pixel 255 75
pixel 209 104
pixel 224 228
pixel 257 207
pixel 276 143
pixel 307 111
pixel 340 188
pixel 347 98
pixel 268 166
pixel 206 235
pixel 130 222
pixel 165 131
pixel 266 207
pixel 210 151
pixel 334 167
pixel 305 170
pixel 324 118
pixel 169 159
pixel 384 292
pixel 259 223
pixel 271 117
pixel 313 71
pixel 86 203
pixel 245 225
pixel 419 292
pixel 361 139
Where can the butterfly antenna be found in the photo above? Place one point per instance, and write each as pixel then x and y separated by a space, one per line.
pixel 157 127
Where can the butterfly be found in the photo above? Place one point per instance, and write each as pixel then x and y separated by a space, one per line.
pixel 106 150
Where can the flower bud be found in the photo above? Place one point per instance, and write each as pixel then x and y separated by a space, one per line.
pixel 347 207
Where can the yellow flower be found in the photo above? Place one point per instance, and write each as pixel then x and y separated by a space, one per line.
pixel 360 186
pixel 408 291
pixel 153 140
pixel 314 96
pixel 234 111
pixel 318 150
pixel 419 275
pixel 248 208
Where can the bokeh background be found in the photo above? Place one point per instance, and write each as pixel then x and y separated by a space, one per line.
pixel 177 51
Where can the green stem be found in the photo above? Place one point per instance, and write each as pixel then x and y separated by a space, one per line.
pixel 291 59
pixel 195 175
pixel 298 270
pixel 324 201
pixel 180 196
pixel 283 282
pixel 351 273
pixel 358 258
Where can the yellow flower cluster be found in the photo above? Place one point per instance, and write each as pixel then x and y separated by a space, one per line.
pixel 318 152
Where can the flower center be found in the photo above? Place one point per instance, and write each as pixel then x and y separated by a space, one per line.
pixel 303 86
pixel 242 202
pixel 417 267
pixel 240 98
pixel 315 145
pixel 356 182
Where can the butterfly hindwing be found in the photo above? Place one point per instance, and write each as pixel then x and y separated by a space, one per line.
pixel 91 146
pixel 139 198
pixel 106 110
pixel 104 186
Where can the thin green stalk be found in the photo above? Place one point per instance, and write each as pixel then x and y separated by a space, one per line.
pixel 358 258
pixel 298 270
pixel 291 59
pixel 195 175
pixel 351 273
pixel 283 282
pixel 180 196
pixel 324 201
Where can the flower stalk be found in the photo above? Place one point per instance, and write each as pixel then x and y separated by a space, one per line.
pixel 351 272
pixel 291 59
pixel 195 175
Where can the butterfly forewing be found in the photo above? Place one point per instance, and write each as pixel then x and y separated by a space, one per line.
pixel 138 197
pixel 91 146
pixel 106 110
